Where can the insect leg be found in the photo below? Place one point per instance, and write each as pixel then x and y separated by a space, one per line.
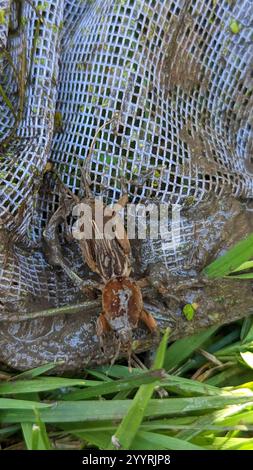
pixel 149 321
pixel 103 326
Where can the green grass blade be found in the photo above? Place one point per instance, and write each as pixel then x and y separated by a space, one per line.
pixel 35 435
pixel 246 334
pixel 183 348
pixel 231 260
pixel 43 440
pixel 129 426
pixel 30 374
pixel 11 404
pixel 117 385
pixel 27 430
pixel 150 440
pixel 96 410
pixel 188 387
pixel 7 101
pixel 98 375
pixel 118 371
pixel 241 276
pixel 241 418
pixel 244 266
pixel 97 438
pixel 40 385
pixel 224 378
pixel 8 431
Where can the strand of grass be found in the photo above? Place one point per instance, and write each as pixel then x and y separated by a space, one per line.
pixel 8 431
pixel 230 352
pixel 43 440
pixel 128 428
pixel 223 443
pixel 28 435
pixel 198 360
pixel 42 384
pixel 198 426
pixel 235 257
pixel 242 418
pixel 7 102
pixel 240 276
pixel 172 424
pixel 145 440
pixel 37 371
pixel 183 348
pixel 51 312
pixel 177 385
pixel 188 387
pixel 20 405
pixel 118 371
pixel 96 410
pixel 122 395
pixel 246 333
pixel 35 435
pixel 98 375
pixel 244 266
pixel 206 421
pixel 151 377
pixel 231 377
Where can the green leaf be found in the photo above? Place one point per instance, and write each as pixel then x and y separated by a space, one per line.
pixel 240 253
pixel 129 426
pixel 189 311
pixel 234 26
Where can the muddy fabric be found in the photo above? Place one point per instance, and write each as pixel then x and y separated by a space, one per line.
pixel 176 77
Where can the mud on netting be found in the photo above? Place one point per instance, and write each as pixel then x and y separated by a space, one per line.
pixel 177 78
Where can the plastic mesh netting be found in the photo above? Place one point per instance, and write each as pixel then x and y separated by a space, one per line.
pixel 177 76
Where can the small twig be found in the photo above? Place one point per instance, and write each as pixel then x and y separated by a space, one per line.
pixel 88 158
pixel 210 357
pixel 51 312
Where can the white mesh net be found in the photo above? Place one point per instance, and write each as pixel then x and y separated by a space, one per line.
pixel 177 76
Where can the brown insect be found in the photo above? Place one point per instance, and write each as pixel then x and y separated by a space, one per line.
pixel 123 310
pixel 109 257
